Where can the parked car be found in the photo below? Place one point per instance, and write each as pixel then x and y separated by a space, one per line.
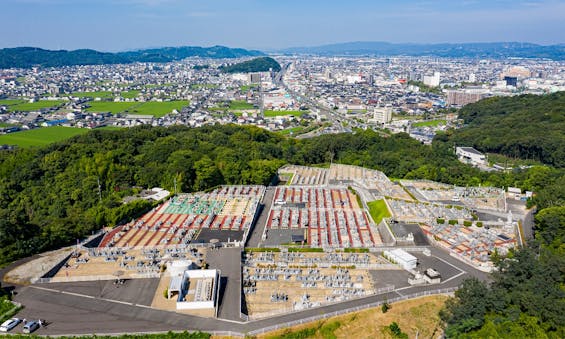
pixel 31 326
pixel 9 324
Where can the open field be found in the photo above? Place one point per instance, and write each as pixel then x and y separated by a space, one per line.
pixel 34 106
pixel 240 105
pixel 129 94
pixel 40 136
pixel 158 109
pixel 431 123
pixel 378 210
pixel 269 113
pixel 246 88
pixel 110 106
pixel 412 316
pixel 292 130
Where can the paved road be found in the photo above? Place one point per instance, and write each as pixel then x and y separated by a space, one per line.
pixel 228 261
pixel 257 232
pixel 136 291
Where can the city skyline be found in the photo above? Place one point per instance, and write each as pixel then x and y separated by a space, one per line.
pixel 118 25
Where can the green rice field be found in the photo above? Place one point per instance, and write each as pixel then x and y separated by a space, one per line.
pixel 157 109
pixel 240 105
pixel 11 102
pixel 40 136
pixel 110 106
pixel 269 113
pixel 25 106
pixel 130 94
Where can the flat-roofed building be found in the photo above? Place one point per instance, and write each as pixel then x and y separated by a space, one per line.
pixel 462 98
pixel 197 289
pixel 382 115
pixel 470 155
pixel 403 258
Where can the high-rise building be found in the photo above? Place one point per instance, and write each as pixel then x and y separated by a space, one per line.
pixel 511 81
pixel 433 80
pixel 254 78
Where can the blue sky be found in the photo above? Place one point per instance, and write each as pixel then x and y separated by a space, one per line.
pixel 117 25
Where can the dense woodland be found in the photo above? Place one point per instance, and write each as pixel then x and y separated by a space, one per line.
pixel 49 197
pixel 526 298
pixel 263 64
pixel 526 127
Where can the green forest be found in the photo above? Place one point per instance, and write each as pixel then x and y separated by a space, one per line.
pixel 49 197
pixel 263 64
pixel 526 126
pixel 526 298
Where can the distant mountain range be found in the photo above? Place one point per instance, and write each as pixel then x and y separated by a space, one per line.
pixel 26 57
pixel 470 50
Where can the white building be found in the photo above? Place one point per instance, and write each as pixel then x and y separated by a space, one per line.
pixel 403 258
pixel 382 115
pixel 197 289
pixel 470 155
pixel 433 80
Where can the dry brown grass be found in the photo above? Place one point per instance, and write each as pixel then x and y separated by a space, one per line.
pixel 420 314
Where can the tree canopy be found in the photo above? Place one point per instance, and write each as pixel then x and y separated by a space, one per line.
pixel 263 64
pixel 526 126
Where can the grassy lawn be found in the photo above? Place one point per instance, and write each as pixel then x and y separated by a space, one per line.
pixel 430 123
pixel 110 106
pixel 157 109
pixel 35 106
pixel 420 314
pixel 240 105
pixel 378 210
pixel 293 130
pixel 269 113
pixel 41 136
pixel 99 94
